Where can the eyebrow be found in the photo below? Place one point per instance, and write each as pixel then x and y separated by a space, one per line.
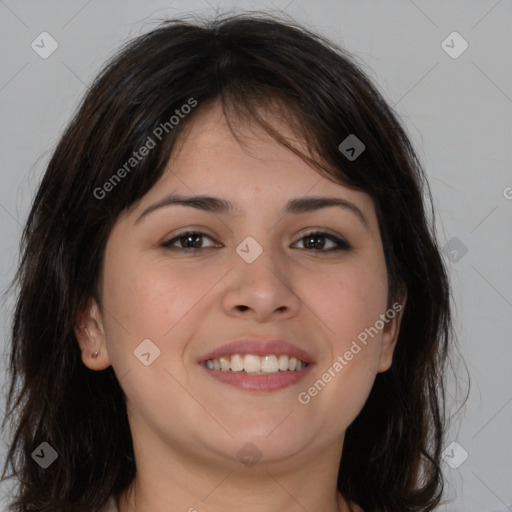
pixel 217 205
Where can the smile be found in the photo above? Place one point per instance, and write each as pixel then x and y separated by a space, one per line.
pixel 253 364
pixel 250 372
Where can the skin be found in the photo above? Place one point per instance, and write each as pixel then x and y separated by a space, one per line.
pixel 187 427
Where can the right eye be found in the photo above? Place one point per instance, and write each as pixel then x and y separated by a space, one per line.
pixel 191 238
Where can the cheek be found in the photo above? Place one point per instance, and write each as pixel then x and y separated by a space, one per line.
pixel 356 299
pixel 151 298
pixel 350 300
pixel 349 305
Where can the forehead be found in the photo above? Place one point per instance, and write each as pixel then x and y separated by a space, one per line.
pixel 209 158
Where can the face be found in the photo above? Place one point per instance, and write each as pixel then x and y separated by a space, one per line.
pixel 258 271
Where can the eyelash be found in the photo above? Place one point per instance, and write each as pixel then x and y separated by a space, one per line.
pixel 342 245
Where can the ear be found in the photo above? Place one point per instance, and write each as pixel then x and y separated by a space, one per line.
pixel 90 334
pixel 390 333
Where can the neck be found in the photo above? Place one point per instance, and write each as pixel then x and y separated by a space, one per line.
pixel 169 479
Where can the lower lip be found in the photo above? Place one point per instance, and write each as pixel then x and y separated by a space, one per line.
pixel 270 382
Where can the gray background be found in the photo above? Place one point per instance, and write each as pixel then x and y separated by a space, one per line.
pixel 458 113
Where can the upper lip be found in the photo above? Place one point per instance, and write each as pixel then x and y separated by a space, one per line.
pixel 258 347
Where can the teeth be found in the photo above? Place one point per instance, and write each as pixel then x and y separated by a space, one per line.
pixel 270 364
pixel 251 363
pixel 236 364
pixel 224 364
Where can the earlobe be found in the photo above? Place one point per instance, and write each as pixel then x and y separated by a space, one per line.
pixel 90 335
pixel 390 334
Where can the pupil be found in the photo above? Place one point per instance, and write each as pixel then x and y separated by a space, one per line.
pixel 310 241
pixel 317 245
pixel 197 243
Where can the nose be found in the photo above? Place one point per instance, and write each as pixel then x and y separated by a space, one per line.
pixel 262 289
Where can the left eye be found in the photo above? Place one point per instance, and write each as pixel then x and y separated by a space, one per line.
pixel 312 240
pixel 194 238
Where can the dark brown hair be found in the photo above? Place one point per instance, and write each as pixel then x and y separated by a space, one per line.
pixel 392 451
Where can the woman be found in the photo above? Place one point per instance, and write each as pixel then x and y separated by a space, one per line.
pixel 230 292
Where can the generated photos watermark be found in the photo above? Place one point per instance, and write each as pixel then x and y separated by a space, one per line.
pixel 304 397
pixel 144 150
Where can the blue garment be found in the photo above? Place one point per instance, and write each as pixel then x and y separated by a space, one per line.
pixel 110 506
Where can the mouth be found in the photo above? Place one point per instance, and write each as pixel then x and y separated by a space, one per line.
pixel 252 364
pixel 255 365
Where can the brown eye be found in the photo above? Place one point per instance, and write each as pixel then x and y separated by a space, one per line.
pixel 190 241
pixel 316 241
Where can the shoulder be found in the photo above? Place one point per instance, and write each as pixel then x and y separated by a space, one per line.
pixel 110 505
